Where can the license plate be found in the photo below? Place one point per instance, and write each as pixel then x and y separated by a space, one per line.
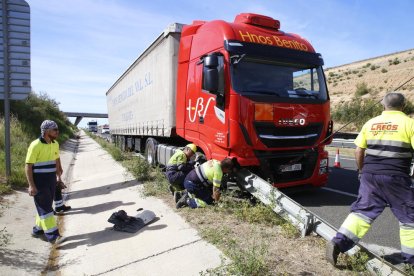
pixel 291 168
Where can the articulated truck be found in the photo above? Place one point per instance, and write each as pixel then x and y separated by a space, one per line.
pixel 242 89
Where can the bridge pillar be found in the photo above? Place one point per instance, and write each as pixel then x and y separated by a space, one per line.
pixel 78 119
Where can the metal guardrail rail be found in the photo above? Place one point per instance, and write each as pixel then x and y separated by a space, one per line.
pixel 305 220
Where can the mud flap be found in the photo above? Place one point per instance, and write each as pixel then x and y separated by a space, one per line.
pixel 131 224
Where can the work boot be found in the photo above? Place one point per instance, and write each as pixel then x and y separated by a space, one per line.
pixel 177 196
pixel 332 252
pixel 62 209
pixel 183 201
pixel 40 235
pixel 171 188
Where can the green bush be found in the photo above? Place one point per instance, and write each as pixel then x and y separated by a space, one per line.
pixel 357 110
pixel 361 110
pixel 25 120
pixel 362 89
pixel 383 70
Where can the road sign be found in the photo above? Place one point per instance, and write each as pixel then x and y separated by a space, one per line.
pixel 14 49
pixel 14 61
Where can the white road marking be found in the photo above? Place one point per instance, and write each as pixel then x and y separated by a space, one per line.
pixel 340 192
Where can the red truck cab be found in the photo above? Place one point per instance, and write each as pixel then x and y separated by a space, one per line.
pixel 249 90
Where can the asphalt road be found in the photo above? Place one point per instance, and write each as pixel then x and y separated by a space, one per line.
pixel 332 203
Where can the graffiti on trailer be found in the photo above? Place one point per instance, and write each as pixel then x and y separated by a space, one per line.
pixel 199 109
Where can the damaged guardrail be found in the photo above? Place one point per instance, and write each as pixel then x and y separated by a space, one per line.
pixel 305 220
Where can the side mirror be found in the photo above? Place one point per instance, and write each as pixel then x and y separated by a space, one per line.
pixel 211 61
pixel 211 75
pixel 211 79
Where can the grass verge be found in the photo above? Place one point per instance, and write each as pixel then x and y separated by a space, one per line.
pixel 253 238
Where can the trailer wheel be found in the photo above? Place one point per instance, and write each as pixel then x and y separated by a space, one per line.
pixel 151 151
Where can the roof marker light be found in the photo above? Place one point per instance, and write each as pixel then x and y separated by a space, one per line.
pixel 258 20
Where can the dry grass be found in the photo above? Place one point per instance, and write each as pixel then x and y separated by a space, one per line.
pixel 266 246
pixel 382 75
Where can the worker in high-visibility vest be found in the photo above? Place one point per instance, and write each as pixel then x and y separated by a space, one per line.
pixel 42 175
pixel 203 183
pixel 179 166
pixel 383 155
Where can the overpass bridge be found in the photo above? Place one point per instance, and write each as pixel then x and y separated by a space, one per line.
pixel 80 115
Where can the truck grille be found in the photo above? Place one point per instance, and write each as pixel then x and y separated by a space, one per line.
pixel 274 164
pixel 287 136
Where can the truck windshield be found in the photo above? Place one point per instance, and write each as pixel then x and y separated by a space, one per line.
pixel 255 77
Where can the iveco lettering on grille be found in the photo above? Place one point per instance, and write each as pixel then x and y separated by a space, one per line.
pixel 292 122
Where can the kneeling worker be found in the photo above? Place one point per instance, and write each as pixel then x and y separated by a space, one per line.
pixel 203 183
pixel 178 167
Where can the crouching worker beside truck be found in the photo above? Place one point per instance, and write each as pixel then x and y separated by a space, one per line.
pixel 179 166
pixel 203 184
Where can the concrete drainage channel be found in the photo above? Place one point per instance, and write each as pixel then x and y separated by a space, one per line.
pixel 305 220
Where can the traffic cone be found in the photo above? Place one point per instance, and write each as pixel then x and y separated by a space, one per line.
pixel 337 163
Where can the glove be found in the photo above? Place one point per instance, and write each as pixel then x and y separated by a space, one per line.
pixel 61 185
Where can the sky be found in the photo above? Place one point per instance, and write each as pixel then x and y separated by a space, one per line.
pixel 79 48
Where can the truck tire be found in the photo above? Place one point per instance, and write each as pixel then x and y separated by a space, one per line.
pixel 151 151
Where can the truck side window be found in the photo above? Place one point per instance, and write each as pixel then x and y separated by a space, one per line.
pixel 220 91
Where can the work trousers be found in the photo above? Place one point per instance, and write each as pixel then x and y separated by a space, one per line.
pixel 58 197
pixel 199 193
pixel 176 179
pixel 45 219
pixel 375 193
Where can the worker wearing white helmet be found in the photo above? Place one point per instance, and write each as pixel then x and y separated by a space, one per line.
pixel 179 166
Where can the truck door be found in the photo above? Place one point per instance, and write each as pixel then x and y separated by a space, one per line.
pixel 193 103
pixel 213 124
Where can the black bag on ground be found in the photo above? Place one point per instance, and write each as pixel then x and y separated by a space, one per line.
pixel 123 222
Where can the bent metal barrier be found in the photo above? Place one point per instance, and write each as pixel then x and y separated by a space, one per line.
pixel 305 220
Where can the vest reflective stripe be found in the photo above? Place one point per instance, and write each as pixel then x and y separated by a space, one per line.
pixel 44 170
pixel 407 239
pixel 389 153
pixel 355 225
pixel 389 143
pixel 201 174
pixel 39 164
pixel 44 167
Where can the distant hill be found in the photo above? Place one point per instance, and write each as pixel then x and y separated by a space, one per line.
pixel 381 74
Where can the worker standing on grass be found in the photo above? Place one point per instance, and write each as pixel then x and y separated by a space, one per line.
pixel 388 142
pixel 42 174
pixel 179 166
pixel 203 183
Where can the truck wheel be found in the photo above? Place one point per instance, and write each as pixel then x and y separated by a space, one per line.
pixel 151 151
